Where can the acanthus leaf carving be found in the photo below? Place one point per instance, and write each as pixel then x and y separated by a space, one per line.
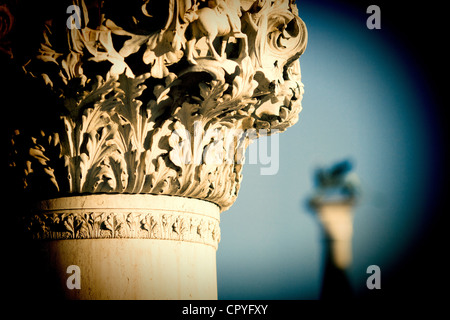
pixel 123 225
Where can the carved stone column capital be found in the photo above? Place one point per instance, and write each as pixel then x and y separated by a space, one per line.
pixel 155 99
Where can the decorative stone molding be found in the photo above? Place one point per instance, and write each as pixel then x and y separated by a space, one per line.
pixel 337 191
pixel 130 76
pixel 129 122
pixel 105 225
pixel 124 246
pixel 131 217
pixel 6 23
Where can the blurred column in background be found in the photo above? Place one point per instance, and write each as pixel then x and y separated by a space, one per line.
pixel 337 189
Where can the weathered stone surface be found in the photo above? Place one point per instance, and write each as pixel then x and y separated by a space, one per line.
pixel 126 247
pixel 128 124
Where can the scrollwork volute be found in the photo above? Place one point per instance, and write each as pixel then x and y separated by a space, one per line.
pixel 136 82
pixel 122 223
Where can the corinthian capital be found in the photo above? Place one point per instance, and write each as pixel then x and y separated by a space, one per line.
pixel 151 97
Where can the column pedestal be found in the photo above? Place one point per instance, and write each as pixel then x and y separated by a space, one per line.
pixel 127 246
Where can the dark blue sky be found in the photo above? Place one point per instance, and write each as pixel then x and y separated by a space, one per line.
pixel 365 99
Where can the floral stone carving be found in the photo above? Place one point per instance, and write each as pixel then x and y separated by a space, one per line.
pixel 140 97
